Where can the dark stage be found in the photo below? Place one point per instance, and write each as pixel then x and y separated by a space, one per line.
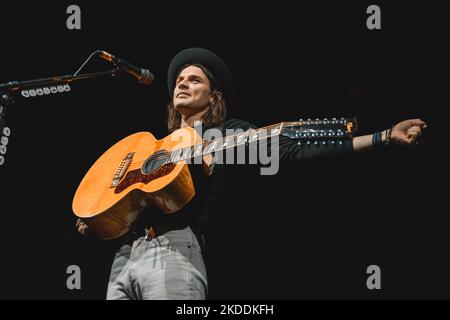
pixel 309 232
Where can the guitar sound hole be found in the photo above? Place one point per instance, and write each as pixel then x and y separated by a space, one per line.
pixel 155 161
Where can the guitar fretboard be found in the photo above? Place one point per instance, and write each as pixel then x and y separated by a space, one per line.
pixel 227 142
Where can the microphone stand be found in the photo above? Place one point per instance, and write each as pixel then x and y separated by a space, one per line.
pixel 9 89
pixel 14 86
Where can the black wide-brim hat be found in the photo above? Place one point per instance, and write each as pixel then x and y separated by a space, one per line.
pixel 207 59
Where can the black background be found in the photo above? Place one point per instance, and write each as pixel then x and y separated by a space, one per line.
pixel 310 231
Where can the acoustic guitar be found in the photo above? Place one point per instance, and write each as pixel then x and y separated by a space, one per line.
pixel 140 171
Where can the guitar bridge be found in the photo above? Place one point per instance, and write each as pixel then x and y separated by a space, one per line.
pixel 121 169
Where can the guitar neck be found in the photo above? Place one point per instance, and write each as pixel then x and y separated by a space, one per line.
pixel 227 142
pixel 324 130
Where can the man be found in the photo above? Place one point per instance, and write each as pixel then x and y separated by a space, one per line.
pixel 166 261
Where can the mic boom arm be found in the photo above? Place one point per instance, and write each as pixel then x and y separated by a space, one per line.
pixel 144 76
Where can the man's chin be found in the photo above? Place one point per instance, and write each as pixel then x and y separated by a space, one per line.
pixel 182 106
pixel 185 108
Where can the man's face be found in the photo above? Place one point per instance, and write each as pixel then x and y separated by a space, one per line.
pixel 192 91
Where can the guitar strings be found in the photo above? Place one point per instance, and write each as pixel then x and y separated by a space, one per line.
pixel 168 156
pixel 204 143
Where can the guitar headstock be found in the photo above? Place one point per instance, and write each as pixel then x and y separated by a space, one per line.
pixel 320 130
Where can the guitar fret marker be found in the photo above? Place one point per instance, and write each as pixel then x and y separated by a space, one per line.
pixel 242 137
pixel 254 137
pixel 198 150
pixel 187 152
pixel 210 147
pixel 176 155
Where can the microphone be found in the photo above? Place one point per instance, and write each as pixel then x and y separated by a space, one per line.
pixel 144 76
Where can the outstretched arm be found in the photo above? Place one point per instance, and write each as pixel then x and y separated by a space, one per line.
pixel 405 133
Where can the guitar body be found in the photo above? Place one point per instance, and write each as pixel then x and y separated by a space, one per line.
pixel 115 189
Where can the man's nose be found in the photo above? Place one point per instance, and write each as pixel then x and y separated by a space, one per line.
pixel 183 84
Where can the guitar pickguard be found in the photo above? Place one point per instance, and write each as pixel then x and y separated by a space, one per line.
pixel 136 176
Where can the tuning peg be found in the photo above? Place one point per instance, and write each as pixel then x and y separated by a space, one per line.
pixel 316 142
pixel 308 142
pixel 343 121
pixel 333 142
pixel 299 142
pixel 301 120
pixel 2 160
pixel 2 149
pixel 324 142
pixel 340 143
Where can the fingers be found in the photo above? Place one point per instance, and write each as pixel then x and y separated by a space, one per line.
pixel 413 140
pixel 419 123
pixel 83 230
pixel 407 141
pixel 414 132
pixel 82 227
